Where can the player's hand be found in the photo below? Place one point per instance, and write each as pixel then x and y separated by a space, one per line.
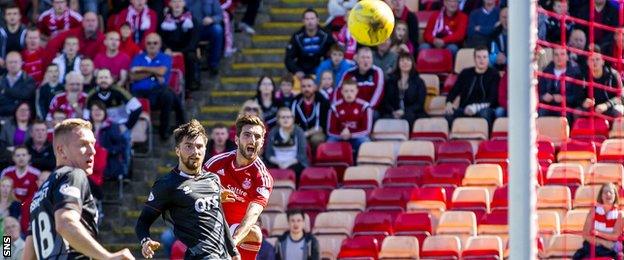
pixel 124 254
pixel 227 196
pixel 148 248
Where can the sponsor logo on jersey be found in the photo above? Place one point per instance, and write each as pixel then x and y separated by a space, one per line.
pixel 70 191
pixel 264 192
pixel 150 197
pixel 187 190
pixel 246 183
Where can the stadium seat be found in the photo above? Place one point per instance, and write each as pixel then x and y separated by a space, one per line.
pixel 373 223
pixel 500 128
pixel 577 151
pixel 548 222
pixel 280 224
pixel 494 223
pixel 434 61
pixel 403 176
pixel 464 59
pixel 333 223
pixel 347 200
pixel 432 82
pixel 564 245
pixel 600 173
pixel 329 246
pixel 574 221
pixel 309 200
pixel 612 150
pixel 436 106
pixel 318 178
pixel 388 199
pixel 555 128
pixel 362 247
pixel 283 178
pixel 617 128
pixel 584 130
pixel 483 175
pixel 475 199
pixel 416 152
pixel 418 224
pixel 462 223
pixel 470 128
pixel 441 247
pixel 395 247
pixel 363 177
pixel 545 152
pixel 334 154
pixel 585 196
pixel 376 153
pixel 449 83
pixel 445 174
pixel 391 129
pixel 432 129
pixel 494 151
pixel 483 247
pixel 499 199
pixel 554 197
pixel 277 201
pixel 455 151
pixel 428 199
pixel 569 174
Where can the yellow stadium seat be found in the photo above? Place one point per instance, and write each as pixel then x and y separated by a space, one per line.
pixel 333 223
pixel 391 129
pixel 565 173
pixel 433 84
pixel 564 245
pixel 434 128
pixel 574 221
pixel 347 200
pixel 555 128
pixel 483 175
pixel 585 196
pixel 470 128
pixel 377 153
pixel 548 222
pixel 554 197
pixel 436 106
pixel 329 246
pixel 399 247
pixel 457 223
pixel 464 59
pixel 600 173
pixel 478 245
pixel 416 152
pixel 476 199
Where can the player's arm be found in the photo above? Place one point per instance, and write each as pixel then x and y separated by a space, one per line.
pixel 251 217
pixel 157 202
pixel 29 249
pixel 69 227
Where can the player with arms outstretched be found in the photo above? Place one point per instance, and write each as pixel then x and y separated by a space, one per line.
pixel 243 172
pixel 189 199
pixel 63 214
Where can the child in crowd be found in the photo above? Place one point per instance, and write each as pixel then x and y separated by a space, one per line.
pixel 400 39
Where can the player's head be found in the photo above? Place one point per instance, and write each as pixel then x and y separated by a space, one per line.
pixel 349 90
pixel 608 194
pixel 6 188
pixel 12 228
pixel 296 220
pixel 74 144
pixel 190 145
pixel 250 132
pixel 219 134
pixel 21 156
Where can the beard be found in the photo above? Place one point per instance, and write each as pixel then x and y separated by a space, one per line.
pixel 247 154
pixel 192 165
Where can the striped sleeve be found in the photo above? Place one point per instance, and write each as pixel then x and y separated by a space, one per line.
pixel 212 162
pixel 264 185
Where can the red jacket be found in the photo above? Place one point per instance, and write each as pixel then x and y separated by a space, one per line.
pixel 357 116
pixel 455 27
pixel 139 28
pixel 502 91
pixel 370 85
pixel 88 46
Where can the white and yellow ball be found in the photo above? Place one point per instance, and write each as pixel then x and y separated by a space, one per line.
pixel 371 22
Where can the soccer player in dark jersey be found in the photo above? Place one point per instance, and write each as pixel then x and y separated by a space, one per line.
pixel 189 199
pixel 63 215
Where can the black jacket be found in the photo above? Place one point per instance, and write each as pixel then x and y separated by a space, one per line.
pixel 22 91
pixel 608 78
pixel 311 246
pixel 413 102
pixel 473 88
pixel 299 59
pixel 320 110
pixel 574 93
pixel 176 38
pixel 43 160
pixel 610 17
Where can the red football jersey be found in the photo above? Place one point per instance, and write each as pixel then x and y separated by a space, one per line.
pixel 357 116
pixel 251 183
pixel 61 102
pixel 51 24
pixel 24 187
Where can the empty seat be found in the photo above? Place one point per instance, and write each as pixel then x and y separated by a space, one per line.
pixel 483 247
pixel 416 152
pixel 361 247
pixel 570 174
pixel 548 222
pixel 333 223
pixel 277 201
pixel 457 223
pixel 432 82
pixel 554 197
pixel 394 247
pixel 441 246
pixel 391 129
pixel 377 153
pixel 445 174
pixel 403 176
pixel 309 200
pixel 500 128
pixel 564 245
pixel 574 221
pixel 500 200
pixel 363 177
pixel 464 59
pixel 427 199
pixel 577 151
pixel 483 175
pixel 436 106
pixel 475 199
pixel 545 152
pixel 586 196
pixel 455 151
pixel 283 178
pixel 434 61
pixel 334 154
pixel 418 224
pixel 373 223
pixel 589 128
pixel 329 246
pixel 495 151
pixel 433 129
pixel 318 178
pixel 347 199
pixel 600 173
pixel 494 223
pixel 470 128
pixel 388 199
pixel 555 128
pixel 612 150
pixel 617 128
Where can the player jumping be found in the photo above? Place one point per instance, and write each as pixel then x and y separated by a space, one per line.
pixel 63 213
pixel 189 199
pixel 242 172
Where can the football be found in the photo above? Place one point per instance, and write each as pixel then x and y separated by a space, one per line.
pixel 371 22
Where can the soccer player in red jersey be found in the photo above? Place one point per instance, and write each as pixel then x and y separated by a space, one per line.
pixel 243 172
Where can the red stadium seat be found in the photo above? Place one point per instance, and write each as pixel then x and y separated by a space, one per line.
pixel 283 178
pixel 455 151
pixel 500 200
pixel 362 247
pixel 434 61
pixel 449 83
pixel 373 223
pixel 428 199
pixel 338 155
pixel 577 151
pixel 418 224
pixel 309 200
pixel 318 178
pixel 583 129
pixel 145 103
pixel 483 248
pixel 441 247
pixel 568 174
pixel 494 223
pixel 388 199
pixel 545 152
pixel 495 151
pixel 612 150
pixel 446 174
pixel 403 176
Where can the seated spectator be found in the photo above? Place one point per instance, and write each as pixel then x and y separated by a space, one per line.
pixel 58 19
pixel 89 37
pixel 384 58
pixel 404 16
pixel 142 20
pixel 345 40
pixel 9 205
pixel 606 13
pixel 481 24
pixel 40 149
pixel 68 60
pixel 149 74
pixel 578 40
pixel 12 229
pixel 309 110
pixel 550 90
pixel 296 243
pixel 110 136
pixel 369 78
pixel 87 71
pixel 35 56
pixel 549 28
pixel 285 96
pixel 327 86
pixel 605 101
pixel 16 86
pixel 265 97
pixel 121 107
pixel 127 45
pixel 498 45
pixel 350 118
pixel 336 63
pixel 251 11
pixel 337 10
pixel 308 46
pixel 113 59
pixel 210 14
pixel 400 39
pixel 51 86
pixel 15 132
pixel 616 50
pixel 287 144
pixel 180 32
pixel 23 175
pixel 477 90
pixel 603 226
pixel 219 142
pixel 72 101
pixel 404 96
pixel 467 6
pixel 446 29
pixel 13 33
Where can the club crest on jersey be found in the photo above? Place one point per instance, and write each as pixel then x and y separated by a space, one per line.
pixel 150 197
pixel 246 184
pixel 70 191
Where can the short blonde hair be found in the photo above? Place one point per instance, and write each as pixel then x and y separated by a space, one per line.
pixel 67 126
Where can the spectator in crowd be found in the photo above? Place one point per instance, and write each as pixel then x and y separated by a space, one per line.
pixel 501 110
pixel 346 41
pixel 606 13
pixel 285 96
pixel 35 56
pixel 16 86
pixel 350 118
pixel 369 78
pixel 72 101
pixel 40 149
pixel 149 74
pixel 326 87
pixel 296 243
pixel 267 251
pixel 287 144
pixel 265 97
pixel 211 16
pixel 97 117
pixel 446 29
pixel 249 18
pixel 58 19
pixel 603 226
pixel 121 107
pixel 400 40
pixel 15 132
pixel 550 90
pixel 68 60
pixel 336 63
pixel 127 45
pixel 180 32
pixel 578 40
pixel 337 10
pixel 481 24
pixel 467 6
pixel 142 20
pixel 477 90
pixel 405 16
pixel 498 45
pixel 90 38
pixel 9 206
pixel 23 175
pixel 404 96
pixel 549 27
pixel 113 59
pixel 219 141
pixel 308 46
pixel 13 33
pixel 309 109
pixel 51 86
pixel 110 136
pixel 12 229
pixel 605 101
pixel 384 58
pixel 87 70
pixel 616 49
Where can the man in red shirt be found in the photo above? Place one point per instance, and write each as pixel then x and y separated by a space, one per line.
pixel 58 19
pixel 112 59
pixel 36 58
pixel 243 172
pixel 89 37
pixel 23 175
pixel 446 29
pixel 72 102
pixel 350 118
pixel 368 77
pixel 140 17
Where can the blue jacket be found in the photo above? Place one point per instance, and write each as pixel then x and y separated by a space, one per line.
pixel 338 71
pixel 203 8
pixel 486 21
pixel 112 139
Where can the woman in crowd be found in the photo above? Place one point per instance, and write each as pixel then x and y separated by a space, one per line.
pixel 9 206
pixel 286 147
pixel 405 92
pixel 109 136
pixel 265 96
pixel 15 133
